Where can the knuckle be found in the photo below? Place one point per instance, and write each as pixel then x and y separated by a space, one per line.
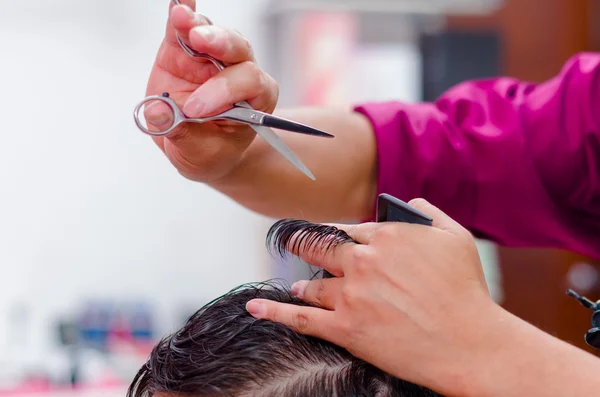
pixel 301 322
pixel 362 253
pixel 363 257
pixel 254 73
pixel 245 45
pixel 385 232
pixel 347 294
pixel 320 291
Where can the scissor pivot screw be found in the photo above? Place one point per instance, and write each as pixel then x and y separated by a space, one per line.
pixel 253 116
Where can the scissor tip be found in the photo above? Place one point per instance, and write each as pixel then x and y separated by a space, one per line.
pixel 304 169
pixel 319 133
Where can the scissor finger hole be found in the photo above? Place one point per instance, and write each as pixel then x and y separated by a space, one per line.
pixel 155 117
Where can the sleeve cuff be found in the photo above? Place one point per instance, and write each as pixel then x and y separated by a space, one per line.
pixel 389 158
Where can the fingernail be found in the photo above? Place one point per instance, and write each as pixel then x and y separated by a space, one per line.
pixel 298 289
pixel 206 32
pixel 194 107
pixel 256 309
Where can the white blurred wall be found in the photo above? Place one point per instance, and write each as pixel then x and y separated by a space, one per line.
pixel 89 207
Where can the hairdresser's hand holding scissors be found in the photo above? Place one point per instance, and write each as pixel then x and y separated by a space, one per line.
pixel 208 99
pixel 413 301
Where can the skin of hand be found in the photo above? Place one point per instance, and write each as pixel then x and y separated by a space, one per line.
pixel 228 157
pixel 206 152
pixel 413 301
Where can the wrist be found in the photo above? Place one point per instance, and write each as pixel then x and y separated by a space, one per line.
pixel 486 336
pixel 483 352
pixel 460 364
pixel 512 357
pixel 494 344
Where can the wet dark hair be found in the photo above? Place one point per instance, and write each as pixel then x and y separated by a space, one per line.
pixel 290 236
pixel 223 351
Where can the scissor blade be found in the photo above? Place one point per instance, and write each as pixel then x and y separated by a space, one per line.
pixel 274 140
pixel 283 124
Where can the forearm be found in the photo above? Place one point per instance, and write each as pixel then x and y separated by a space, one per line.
pixel 344 167
pixel 517 359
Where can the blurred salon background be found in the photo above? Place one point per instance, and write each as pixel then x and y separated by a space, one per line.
pixel 104 248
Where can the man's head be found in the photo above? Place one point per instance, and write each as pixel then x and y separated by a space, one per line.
pixel 223 351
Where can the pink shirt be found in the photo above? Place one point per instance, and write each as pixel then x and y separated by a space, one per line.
pixel 514 162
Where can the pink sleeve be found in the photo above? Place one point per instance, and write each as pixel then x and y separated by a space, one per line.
pixel 514 162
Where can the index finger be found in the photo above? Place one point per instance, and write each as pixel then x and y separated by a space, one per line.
pixel 182 20
pixel 305 320
pixel 171 33
pixel 199 34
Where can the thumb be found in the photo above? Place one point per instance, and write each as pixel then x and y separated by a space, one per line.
pixel 440 219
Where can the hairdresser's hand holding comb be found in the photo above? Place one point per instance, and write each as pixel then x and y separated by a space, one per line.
pixel 413 301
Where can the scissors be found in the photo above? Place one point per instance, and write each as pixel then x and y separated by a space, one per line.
pixel 241 112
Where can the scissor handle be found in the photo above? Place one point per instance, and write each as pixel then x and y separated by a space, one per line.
pixel 178 116
pixel 193 53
